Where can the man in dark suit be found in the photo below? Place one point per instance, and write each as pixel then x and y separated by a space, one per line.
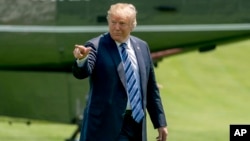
pixel 122 82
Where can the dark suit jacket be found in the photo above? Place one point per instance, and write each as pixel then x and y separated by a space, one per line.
pixel 104 112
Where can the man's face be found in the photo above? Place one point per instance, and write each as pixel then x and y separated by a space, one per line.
pixel 119 28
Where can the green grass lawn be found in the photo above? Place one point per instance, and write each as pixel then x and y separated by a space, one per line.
pixel 18 130
pixel 202 95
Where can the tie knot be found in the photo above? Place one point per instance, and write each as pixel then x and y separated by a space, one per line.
pixel 123 45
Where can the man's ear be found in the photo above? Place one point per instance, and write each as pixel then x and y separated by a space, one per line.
pixel 132 28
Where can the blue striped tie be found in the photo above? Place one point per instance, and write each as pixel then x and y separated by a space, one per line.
pixel 134 92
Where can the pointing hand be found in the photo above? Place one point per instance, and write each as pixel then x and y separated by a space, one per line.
pixel 81 51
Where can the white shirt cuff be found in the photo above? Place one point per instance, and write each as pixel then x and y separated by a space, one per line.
pixel 80 62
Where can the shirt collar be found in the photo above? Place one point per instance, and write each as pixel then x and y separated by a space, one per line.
pixel 127 42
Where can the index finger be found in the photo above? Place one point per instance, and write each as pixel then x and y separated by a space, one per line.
pixel 79 46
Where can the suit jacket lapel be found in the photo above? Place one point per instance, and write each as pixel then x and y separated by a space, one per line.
pixel 114 53
pixel 141 64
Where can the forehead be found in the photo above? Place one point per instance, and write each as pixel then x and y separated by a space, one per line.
pixel 120 18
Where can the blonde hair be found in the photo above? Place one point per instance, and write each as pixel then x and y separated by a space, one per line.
pixel 124 10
